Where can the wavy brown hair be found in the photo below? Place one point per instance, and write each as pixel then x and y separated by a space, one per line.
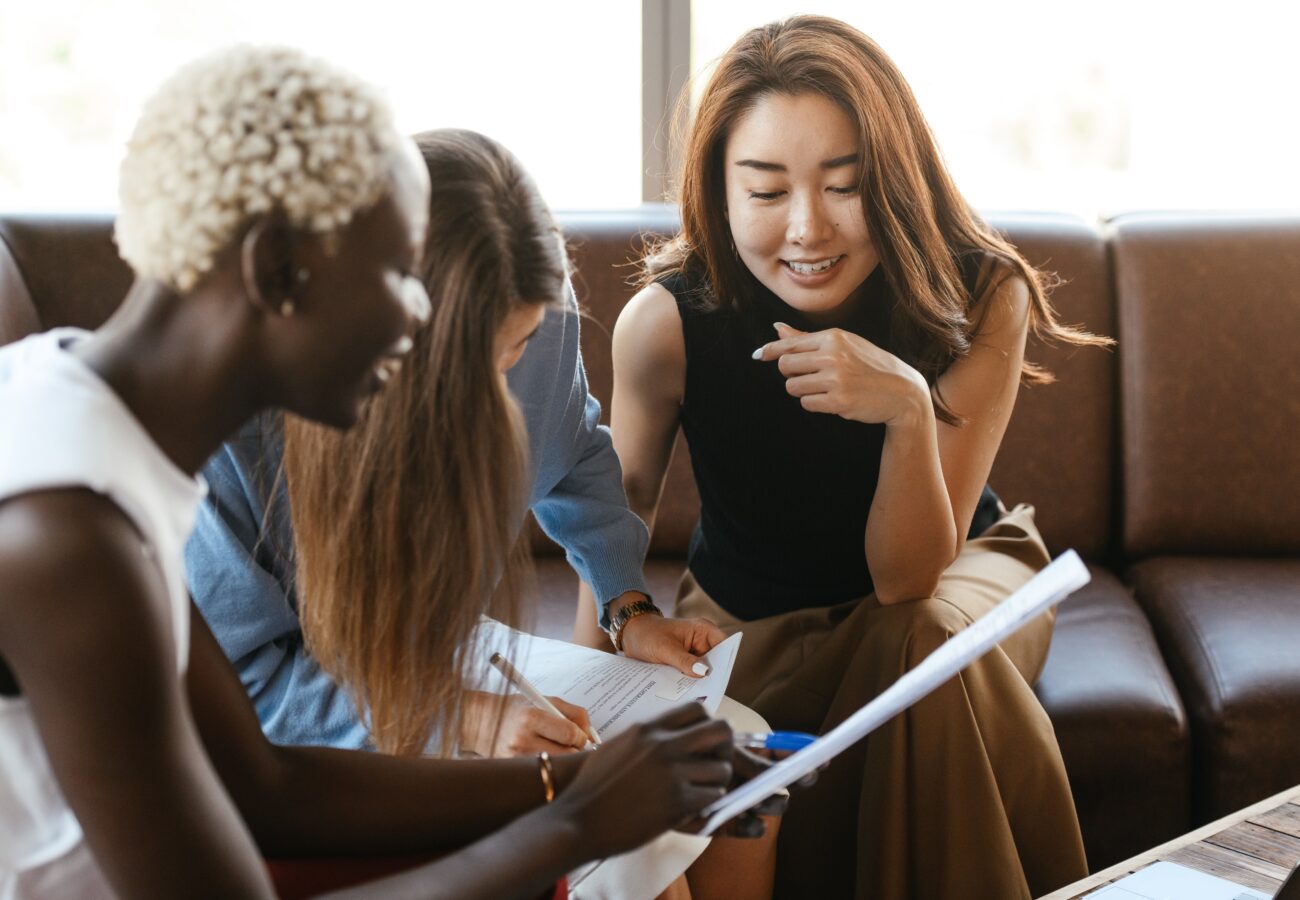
pixel 408 527
pixel 922 228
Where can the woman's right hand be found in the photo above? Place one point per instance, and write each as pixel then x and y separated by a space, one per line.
pixel 649 779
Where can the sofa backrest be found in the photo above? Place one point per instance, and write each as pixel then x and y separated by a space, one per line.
pixel 17 313
pixel 1211 409
pixel 1059 452
pixel 70 266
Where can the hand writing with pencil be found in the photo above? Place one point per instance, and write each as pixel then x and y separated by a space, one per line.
pixel 525 729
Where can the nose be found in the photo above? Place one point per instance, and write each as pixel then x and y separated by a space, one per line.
pixel 809 223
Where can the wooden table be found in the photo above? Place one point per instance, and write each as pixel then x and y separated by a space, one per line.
pixel 1256 847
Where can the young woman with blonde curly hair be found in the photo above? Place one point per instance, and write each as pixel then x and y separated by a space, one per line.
pixel 274 218
pixel 841 339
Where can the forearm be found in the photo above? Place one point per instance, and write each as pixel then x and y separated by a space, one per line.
pixel 520 860
pixel 586 623
pixel 911 536
pixel 388 805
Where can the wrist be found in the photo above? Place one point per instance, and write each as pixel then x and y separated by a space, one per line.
pixel 470 718
pixel 627 597
pixel 561 824
pixel 916 406
pixel 565 769
pixel 627 614
pixel 614 604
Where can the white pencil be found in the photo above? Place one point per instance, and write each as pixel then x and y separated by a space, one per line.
pixel 532 694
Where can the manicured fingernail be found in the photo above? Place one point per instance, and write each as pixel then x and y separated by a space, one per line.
pixel 700 669
pixel 757 354
pixel 779 325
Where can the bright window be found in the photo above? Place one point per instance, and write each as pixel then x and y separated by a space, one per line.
pixel 1094 106
pixel 559 84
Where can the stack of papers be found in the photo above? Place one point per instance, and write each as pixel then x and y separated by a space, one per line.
pixel 617 692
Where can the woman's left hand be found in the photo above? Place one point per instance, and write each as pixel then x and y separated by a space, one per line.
pixel 838 372
pixel 672 642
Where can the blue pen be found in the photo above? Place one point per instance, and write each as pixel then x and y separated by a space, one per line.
pixel 781 741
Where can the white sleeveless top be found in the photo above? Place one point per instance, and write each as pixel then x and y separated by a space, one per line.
pixel 61 426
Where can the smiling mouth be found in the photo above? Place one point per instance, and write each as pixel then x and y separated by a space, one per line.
pixel 811 268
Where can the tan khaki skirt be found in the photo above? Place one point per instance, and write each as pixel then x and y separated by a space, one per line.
pixel 965 794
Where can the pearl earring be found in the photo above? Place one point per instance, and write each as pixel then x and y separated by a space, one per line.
pixel 287 308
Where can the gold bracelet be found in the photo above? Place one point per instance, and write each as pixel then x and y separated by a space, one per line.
pixel 547 773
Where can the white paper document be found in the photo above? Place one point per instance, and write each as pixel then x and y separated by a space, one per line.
pixel 616 691
pixel 1170 881
pixel 1059 579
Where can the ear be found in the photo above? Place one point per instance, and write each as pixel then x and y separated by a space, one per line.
pixel 267 264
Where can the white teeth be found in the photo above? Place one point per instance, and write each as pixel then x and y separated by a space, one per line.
pixel 812 268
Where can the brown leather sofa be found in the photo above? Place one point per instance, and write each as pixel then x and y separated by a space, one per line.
pixel 1170 465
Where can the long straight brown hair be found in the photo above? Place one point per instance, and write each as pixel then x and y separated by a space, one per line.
pixel 920 224
pixel 407 528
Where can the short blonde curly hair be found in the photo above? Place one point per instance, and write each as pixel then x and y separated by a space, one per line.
pixel 240 133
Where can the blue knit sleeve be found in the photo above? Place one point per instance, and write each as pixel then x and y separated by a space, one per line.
pixel 578 496
pixel 239 565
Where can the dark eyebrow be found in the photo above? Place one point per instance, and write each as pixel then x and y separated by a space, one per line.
pixel 850 159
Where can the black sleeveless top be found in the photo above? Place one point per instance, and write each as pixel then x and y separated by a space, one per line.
pixel 784 493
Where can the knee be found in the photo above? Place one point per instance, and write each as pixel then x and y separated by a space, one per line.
pixel 917 628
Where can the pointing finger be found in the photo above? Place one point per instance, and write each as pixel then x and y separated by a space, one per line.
pixel 796 344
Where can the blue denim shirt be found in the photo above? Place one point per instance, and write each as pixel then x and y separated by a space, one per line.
pixel 239 559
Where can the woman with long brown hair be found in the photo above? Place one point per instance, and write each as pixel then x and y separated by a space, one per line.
pixel 407 529
pixel 841 338
pixel 433 478
pixel 393 539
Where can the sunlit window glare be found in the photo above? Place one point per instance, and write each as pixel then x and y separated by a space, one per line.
pixel 1088 107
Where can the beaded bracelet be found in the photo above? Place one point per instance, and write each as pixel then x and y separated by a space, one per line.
pixel 547 773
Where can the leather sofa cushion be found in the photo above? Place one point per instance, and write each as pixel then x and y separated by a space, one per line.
pixel 70 264
pixel 1119 721
pixel 1211 399
pixel 1059 449
pixel 1228 628
pixel 17 314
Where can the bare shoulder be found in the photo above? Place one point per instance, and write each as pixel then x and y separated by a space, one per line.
pixel 649 348
pixel 1001 312
pixel 74 570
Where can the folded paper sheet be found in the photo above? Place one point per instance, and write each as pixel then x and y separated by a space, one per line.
pixel 1061 578
pixel 616 691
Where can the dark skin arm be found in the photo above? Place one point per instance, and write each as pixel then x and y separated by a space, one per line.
pixel 86 631
pixel 374 804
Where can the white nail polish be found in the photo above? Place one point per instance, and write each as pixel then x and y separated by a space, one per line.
pixel 757 354
pixel 700 669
